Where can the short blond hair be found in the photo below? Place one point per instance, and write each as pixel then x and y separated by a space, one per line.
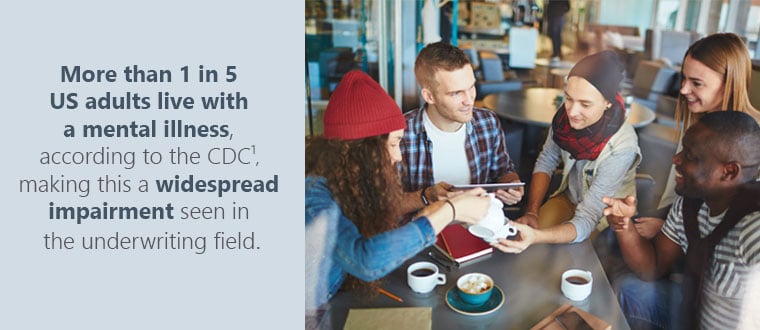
pixel 434 57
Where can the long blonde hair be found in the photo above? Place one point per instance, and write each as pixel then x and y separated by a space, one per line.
pixel 726 54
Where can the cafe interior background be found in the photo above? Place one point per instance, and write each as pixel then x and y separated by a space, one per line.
pixel 509 47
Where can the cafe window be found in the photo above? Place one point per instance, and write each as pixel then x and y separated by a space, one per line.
pixel 345 35
pixel 743 18
pixel 337 41
pixel 667 12
pixel 752 30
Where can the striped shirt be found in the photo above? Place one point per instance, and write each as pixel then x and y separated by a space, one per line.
pixel 484 145
pixel 736 257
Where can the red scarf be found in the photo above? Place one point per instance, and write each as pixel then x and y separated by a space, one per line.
pixel 588 143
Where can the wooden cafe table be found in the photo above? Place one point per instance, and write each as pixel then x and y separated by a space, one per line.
pixel 530 282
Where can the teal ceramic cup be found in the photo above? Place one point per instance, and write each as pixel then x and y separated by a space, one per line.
pixel 475 288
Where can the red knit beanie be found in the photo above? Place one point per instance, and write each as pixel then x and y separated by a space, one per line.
pixel 360 108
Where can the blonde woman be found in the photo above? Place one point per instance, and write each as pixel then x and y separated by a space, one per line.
pixel 715 76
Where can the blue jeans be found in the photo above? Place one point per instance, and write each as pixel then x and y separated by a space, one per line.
pixel 649 305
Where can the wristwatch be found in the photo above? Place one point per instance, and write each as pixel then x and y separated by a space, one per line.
pixel 423 197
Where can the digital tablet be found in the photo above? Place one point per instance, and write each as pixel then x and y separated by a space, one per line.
pixel 489 187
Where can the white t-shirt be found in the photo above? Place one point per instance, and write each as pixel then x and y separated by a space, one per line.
pixel 448 154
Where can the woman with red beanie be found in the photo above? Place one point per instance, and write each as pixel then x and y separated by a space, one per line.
pixel 353 191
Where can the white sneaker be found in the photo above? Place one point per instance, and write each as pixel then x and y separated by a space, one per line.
pixel 555 60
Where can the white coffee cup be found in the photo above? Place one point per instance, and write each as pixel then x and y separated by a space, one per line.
pixel 423 276
pixel 576 284
pixel 492 226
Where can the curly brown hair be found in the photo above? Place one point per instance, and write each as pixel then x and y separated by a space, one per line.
pixel 363 181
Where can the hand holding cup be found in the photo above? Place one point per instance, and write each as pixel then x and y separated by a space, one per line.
pixel 492 227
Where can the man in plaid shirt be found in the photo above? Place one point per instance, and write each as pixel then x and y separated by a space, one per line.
pixel 449 141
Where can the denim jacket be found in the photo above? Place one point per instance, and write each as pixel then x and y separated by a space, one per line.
pixel 334 246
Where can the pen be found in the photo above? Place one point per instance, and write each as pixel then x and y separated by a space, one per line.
pixel 390 295
pixel 439 261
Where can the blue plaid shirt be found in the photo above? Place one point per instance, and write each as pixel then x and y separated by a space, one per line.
pixel 484 145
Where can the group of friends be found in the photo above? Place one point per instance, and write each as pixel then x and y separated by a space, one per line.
pixel 379 182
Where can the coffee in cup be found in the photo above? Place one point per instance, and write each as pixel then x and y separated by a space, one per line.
pixel 423 276
pixel 492 227
pixel 475 288
pixel 576 284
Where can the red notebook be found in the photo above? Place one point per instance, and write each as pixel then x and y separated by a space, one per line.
pixel 456 242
